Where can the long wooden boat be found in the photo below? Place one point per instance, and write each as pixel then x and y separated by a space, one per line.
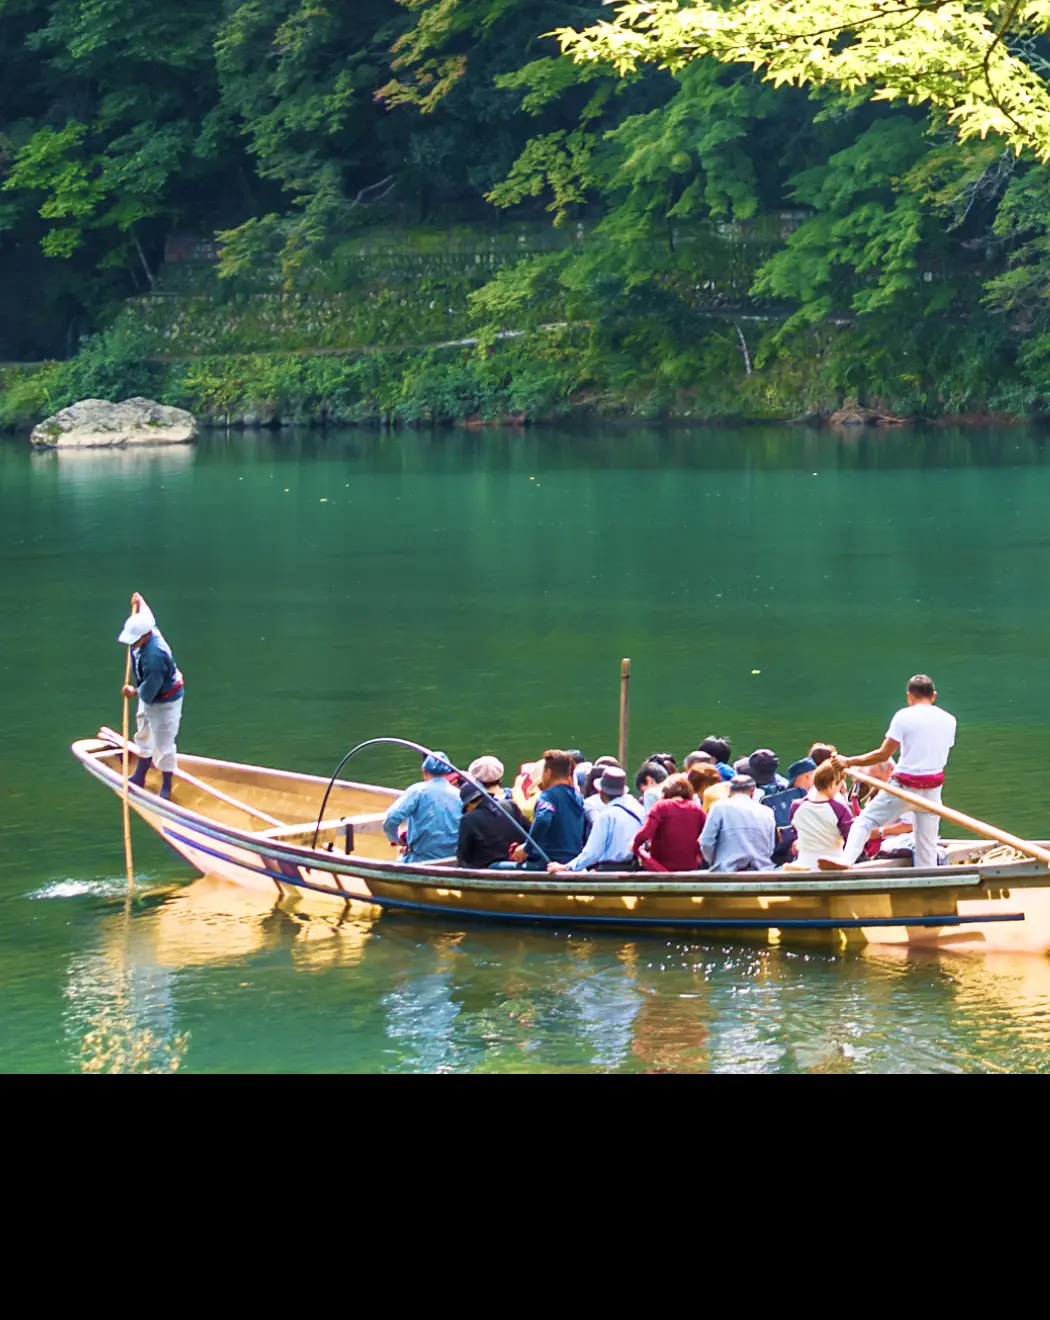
pixel 255 827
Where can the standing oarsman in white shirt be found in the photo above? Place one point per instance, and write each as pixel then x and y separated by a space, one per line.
pixel 924 735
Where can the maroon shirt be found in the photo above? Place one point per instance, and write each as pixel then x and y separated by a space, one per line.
pixel 672 830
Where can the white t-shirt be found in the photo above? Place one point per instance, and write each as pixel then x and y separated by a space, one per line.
pixel 926 735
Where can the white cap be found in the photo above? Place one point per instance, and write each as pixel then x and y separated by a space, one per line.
pixel 136 626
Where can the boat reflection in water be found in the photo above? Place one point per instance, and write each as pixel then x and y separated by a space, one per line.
pixel 390 991
pixel 212 921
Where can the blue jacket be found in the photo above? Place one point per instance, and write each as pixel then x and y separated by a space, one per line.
pixel 157 675
pixel 431 810
pixel 557 824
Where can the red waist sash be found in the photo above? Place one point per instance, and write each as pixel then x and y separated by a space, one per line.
pixel 176 687
pixel 920 781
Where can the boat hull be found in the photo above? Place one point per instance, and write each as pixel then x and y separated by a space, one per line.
pixel 1003 907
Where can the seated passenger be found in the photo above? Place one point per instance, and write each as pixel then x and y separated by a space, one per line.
pixel 742 767
pixel 740 834
pixel 822 823
pixel 609 845
pixel 595 773
pixel 648 782
pixel 672 829
pixel 821 752
pixel 763 765
pixel 580 768
pixel 558 819
pixel 719 748
pixel 430 810
pixel 781 801
pixel 488 771
pixel 800 773
pixel 527 787
pixel 697 758
pixel 708 785
pixel 665 759
pixel 487 829
pixel 592 799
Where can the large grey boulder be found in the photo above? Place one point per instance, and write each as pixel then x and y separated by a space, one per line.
pixel 94 423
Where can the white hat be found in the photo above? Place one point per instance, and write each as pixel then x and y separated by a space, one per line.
pixel 136 626
pixel 486 770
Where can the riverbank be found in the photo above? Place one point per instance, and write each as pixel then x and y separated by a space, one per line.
pixel 386 341
pixel 543 377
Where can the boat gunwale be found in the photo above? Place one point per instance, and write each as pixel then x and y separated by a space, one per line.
pixel 244 765
pixel 422 875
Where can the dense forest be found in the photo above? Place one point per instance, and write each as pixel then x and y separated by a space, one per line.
pixel 423 210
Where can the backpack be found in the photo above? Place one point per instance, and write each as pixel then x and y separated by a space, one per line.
pixel 780 804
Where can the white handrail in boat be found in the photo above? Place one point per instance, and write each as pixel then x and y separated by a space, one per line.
pixel 207 788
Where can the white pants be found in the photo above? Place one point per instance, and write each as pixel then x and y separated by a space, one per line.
pixel 882 809
pixel 156 728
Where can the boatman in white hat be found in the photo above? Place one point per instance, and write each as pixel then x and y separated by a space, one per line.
pixel 158 686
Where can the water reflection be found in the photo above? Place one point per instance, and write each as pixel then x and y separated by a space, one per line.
pixel 211 921
pixel 88 467
pixel 404 995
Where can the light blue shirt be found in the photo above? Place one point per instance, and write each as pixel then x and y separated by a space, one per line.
pixel 431 810
pixel 740 835
pixel 612 835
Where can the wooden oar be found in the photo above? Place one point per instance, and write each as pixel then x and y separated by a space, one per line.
pixel 970 823
pixel 129 865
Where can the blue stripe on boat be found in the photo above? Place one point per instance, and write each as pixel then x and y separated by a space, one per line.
pixel 683 923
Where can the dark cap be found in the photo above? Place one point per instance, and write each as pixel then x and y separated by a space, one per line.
pixel 574 754
pixel 469 792
pixel 613 782
pixel 763 765
pixel 741 784
pixel 804 767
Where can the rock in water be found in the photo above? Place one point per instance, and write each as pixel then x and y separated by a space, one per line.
pixel 94 423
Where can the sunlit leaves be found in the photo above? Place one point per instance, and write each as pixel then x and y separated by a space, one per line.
pixel 965 56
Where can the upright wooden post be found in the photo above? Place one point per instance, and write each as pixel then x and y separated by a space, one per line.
pixel 625 707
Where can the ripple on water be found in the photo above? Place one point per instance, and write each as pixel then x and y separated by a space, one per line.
pixel 103 887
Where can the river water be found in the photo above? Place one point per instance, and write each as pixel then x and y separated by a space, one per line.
pixel 475 591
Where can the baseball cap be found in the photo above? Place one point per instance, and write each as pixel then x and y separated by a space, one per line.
pixel 136 626
pixel 804 767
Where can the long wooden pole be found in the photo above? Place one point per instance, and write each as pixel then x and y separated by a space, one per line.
pixel 625 709
pixel 129 864
pixel 970 823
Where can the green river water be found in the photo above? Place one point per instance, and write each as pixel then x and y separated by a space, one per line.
pixel 475 592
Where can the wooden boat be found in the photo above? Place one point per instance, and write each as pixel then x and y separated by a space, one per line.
pixel 255 827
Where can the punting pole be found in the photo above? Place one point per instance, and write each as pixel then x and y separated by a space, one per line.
pixel 129 864
pixel 625 709
pixel 970 823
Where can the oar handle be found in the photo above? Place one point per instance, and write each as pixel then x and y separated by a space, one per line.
pixel 959 818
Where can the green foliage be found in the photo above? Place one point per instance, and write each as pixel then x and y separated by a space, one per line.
pixel 862 247
pixel 343 155
pixel 111 366
pixel 133 71
pixel 971 58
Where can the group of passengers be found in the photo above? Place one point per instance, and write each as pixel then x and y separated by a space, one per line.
pixel 565 813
